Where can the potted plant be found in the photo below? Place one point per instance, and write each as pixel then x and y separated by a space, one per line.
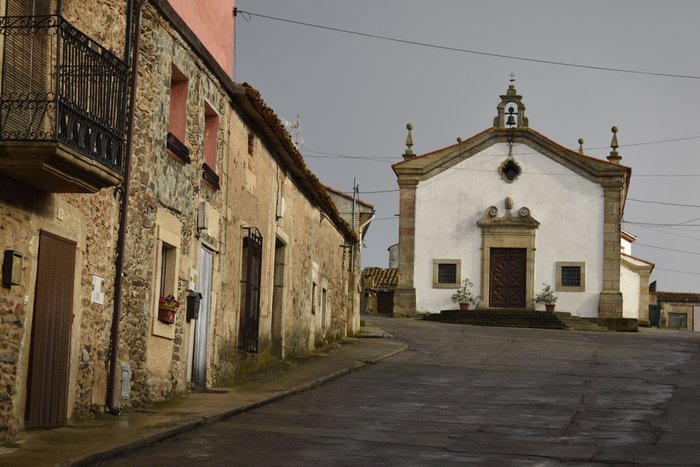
pixel 167 306
pixel 464 295
pixel 547 297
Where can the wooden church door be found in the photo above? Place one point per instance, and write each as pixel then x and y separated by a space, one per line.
pixel 507 284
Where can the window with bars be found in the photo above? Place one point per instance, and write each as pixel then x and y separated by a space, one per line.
pixel 446 273
pixel 678 320
pixel 571 276
pixel 250 284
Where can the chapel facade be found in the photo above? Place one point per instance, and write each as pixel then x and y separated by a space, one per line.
pixel 511 210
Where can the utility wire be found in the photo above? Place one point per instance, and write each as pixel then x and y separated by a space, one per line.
pixel 668 249
pixel 467 51
pixel 675 270
pixel 667 233
pixel 665 204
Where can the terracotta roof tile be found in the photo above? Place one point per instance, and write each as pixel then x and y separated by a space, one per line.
pixel 678 297
pixel 381 277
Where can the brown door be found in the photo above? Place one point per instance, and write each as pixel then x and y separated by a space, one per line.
pixel 47 392
pixel 507 285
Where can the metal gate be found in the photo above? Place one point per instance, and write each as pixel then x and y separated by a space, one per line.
pixel 47 391
pixel 678 321
pixel 252 244
pixel 201 329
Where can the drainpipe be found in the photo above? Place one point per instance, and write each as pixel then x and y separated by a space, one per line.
pixel 123 208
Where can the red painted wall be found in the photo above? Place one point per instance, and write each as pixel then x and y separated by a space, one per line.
pixel 212 21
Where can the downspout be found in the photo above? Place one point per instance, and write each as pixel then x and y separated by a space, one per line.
pixel 123 209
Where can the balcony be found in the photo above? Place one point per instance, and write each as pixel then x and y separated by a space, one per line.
pixel 62 107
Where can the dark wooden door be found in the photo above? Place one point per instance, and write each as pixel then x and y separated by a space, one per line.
pixel 507 284
pixel 47 392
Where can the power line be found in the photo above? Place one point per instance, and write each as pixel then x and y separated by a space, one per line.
pixel 675 270
pixel 668 249
pixel 665 204
pixel 466 51
pixel 667 233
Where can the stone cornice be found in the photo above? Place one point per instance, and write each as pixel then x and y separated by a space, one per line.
pixel 431 164
pixel 522 221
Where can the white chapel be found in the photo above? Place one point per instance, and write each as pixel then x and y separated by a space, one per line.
pixel 512 210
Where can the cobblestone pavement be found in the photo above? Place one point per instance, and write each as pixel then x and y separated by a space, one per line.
pixel 481 395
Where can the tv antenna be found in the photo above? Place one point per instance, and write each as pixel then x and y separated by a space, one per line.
pixel 293 129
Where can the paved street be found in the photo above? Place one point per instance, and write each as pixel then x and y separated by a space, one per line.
pixel 488 396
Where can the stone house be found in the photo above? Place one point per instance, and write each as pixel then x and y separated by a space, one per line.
pixel 358 214
pixel 679 310
pixel 511 209
pixel 209 199
pixel 61 164
pixel 378 286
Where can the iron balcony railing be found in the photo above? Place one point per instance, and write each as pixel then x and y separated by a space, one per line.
pixel 58 85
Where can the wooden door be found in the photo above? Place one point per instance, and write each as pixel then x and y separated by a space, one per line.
pixel 47 391
pixel 507 284
pixel 201 332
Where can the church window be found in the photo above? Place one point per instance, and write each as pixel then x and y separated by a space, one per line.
pixel 446 273
pixel 509 170
pixel 571 276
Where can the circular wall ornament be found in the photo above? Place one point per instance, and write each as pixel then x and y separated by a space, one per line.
pixel 509 170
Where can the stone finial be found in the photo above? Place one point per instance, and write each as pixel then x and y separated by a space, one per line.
pixel 580 145
pixel 614 157
pixel 408 153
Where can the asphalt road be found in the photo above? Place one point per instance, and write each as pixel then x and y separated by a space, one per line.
pixel 486 396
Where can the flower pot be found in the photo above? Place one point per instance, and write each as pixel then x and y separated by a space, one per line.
pixel 166 314
pixel 549 307
pixel 464 306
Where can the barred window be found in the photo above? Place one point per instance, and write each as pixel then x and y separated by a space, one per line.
pixel 571 276
pixel 446 273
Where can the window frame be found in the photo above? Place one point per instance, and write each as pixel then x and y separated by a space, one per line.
pixel 570 288
pixel 436 276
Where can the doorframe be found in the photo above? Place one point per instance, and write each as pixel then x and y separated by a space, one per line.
pixel 279 289
pixel 202 248
pixel 27 377
pixel 508 231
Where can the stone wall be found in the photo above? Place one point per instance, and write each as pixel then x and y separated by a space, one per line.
pixel 88 219
pixel 163 204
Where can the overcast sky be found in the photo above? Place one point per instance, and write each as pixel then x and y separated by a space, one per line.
pixel 355 94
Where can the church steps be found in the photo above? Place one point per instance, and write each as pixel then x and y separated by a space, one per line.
pixel 516 318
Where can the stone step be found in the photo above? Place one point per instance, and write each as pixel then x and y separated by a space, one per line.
pixel 509 317
pixel 501 318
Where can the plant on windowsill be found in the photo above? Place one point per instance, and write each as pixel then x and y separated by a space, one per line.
pixel 167 306
pixel 547 297
pixel 464 295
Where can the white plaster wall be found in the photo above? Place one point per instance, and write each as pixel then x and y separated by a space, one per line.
pixel 629 286
pixel 568 206
pixel 625 246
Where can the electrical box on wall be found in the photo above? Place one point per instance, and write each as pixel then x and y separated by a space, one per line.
pixel 192 280
pixel 12 268
pixel 203 216
pixel 98 290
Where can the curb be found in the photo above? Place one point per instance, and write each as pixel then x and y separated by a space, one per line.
pixel 191 425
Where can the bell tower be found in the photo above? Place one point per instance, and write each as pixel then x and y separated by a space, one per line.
pixel 511 110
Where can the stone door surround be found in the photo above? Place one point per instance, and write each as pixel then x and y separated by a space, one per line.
pixel 508 231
